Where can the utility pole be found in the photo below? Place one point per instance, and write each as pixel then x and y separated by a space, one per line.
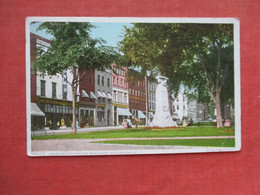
pixel 146 102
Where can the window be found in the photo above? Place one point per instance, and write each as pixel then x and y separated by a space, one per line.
pixel 54 90
pixel 120 97
pixel 177 107
pixel 130 91
pixel 121 82
pixel 108 82
pixel 117 82
pixel 98 80
pixel 114 80
pixel 64 91
pixel 114 96
pixel 43 85
pixel 125 98
pixel 100 113
pixel 103 81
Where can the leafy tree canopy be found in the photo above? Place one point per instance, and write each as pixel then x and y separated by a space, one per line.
pixel 73 47
pixel 177 51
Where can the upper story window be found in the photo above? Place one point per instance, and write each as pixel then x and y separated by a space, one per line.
pixel 114 80
pixel 108 82
pixel 64 91
pixel 54 90
pixel 114 96
pixel 125 98
pixel 103 81
pixel 98 80
pixel 43 86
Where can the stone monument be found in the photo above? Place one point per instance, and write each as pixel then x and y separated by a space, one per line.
pixel 162 116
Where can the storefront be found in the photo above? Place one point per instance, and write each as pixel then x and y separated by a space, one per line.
pixel 37 117
pixel 122 114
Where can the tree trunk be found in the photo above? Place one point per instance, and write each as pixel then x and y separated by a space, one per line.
pixel 219 112
pixel 74 91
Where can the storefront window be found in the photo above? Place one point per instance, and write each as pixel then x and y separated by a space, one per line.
pixel 100 113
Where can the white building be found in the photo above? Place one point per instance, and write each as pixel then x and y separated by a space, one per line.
pixel 180 106
pixel 52 95
pixel 152 85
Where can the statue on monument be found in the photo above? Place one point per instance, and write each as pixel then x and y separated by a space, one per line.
pixel 162 116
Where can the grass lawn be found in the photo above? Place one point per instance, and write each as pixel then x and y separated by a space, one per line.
pixel 182 142
pixel 144 133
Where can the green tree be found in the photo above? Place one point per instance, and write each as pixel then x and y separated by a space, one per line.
pixel 199 56
pixel 72 48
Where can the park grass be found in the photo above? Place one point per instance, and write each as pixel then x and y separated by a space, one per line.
pixel 203 124
pixel 180 142
pixel 144 133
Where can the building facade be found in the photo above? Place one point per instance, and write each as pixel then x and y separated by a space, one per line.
pixel 120 94
pixel 87 98
pixel 103 91
pixel 50 94
pixel 180 106
pixel 137 99
pixel 151 103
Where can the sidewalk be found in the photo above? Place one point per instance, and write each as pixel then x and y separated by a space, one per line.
pixel 81 130
pixel 90 145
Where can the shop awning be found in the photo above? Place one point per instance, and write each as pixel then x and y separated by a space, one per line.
pixel 35 110
pixel 100 94
pixel 140 114
pixel 84 93
pixel 104 95
pixel 92 95
pixel 150 114
pixel 123 112
pixel 109 96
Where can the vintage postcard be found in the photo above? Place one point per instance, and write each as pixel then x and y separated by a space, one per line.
pixel 119 86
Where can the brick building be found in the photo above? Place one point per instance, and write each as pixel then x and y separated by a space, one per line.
pixel 87 98
pixel 137 96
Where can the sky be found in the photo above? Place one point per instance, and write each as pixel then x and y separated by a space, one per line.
pixel 111 32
